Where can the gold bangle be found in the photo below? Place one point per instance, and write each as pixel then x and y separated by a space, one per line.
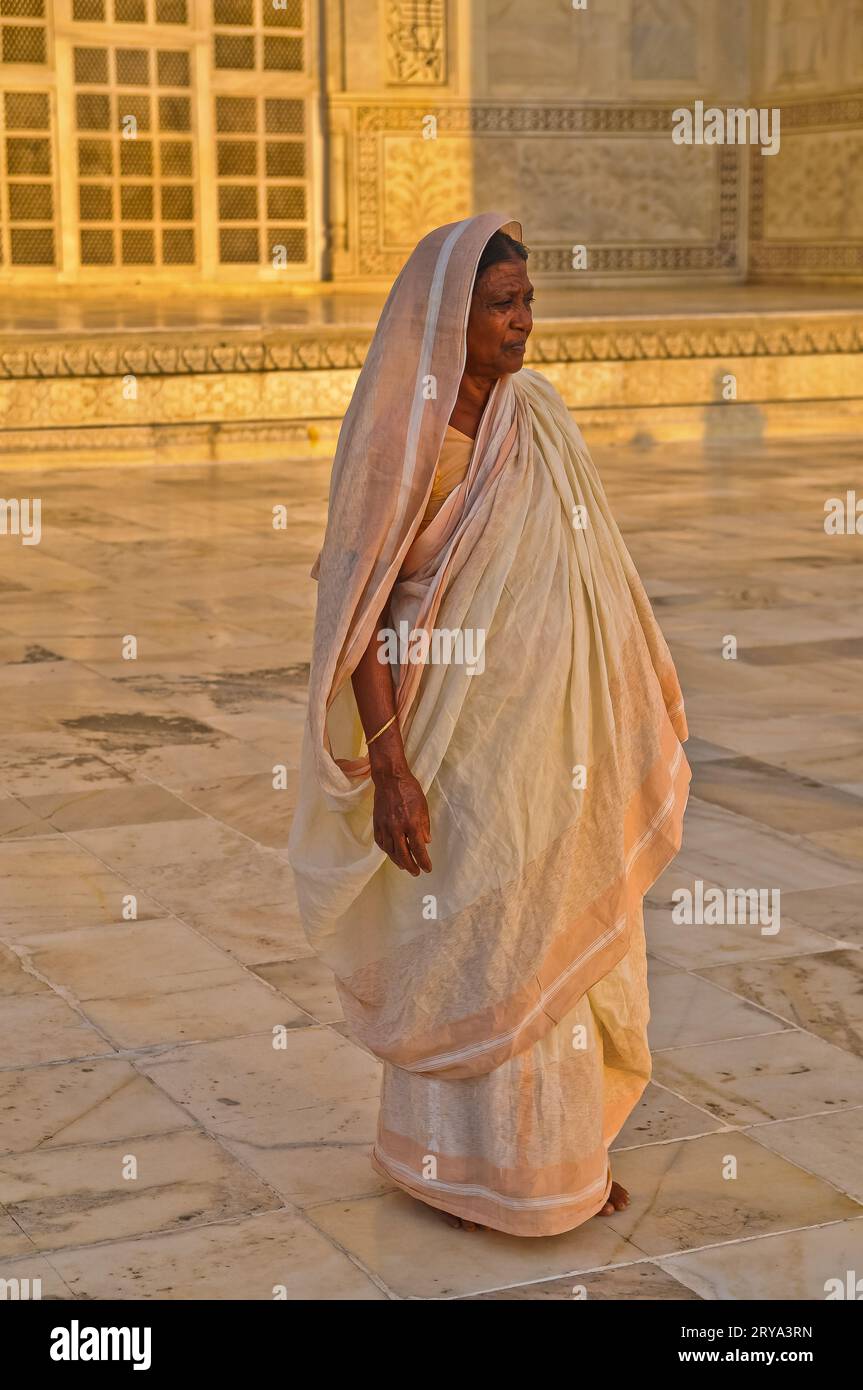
pixel 379 732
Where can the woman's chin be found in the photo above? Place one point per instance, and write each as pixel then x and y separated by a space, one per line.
pixel 510 361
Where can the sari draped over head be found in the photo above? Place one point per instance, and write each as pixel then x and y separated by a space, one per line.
pixel 545 728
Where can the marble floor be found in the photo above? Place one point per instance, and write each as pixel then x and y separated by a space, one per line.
pixel 153 1141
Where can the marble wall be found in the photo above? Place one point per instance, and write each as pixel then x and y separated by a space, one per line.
pixel 562 117
pixel 806 204
pixel 309 140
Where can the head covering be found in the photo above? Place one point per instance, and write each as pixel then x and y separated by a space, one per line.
pixel 385 460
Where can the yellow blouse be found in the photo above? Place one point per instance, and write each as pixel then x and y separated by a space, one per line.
pixel 452 466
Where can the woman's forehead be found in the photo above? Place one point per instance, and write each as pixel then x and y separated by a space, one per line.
pixel 506 274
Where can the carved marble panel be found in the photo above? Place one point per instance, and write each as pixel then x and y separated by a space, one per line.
pixel 811 44
pixel 813 188
pixel 602 190
pixel 806 202
pixel 425 183
pixel 416 42
pixel 609 177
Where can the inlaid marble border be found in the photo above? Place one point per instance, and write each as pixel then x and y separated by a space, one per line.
pixel 373 122
pixel 607 340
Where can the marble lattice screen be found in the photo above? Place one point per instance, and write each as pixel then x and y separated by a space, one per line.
pixel 166 140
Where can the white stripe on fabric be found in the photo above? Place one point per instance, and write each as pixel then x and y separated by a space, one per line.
pixel 429 331
pixel 477 1190
pixel 463 1054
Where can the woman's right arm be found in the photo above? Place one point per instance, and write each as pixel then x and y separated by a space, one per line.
pixel 401 815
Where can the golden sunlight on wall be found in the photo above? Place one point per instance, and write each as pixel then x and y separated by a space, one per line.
pixel 254 141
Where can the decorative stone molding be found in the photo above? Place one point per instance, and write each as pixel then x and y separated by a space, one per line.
pixel 301 355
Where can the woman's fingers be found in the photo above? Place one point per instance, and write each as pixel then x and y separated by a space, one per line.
pixel 419 851
pixel 401 823
pixel 405 847
pixel 403 857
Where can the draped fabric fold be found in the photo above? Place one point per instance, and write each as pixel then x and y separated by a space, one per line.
pixel 545 730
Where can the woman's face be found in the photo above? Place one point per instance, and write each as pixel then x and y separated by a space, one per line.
pixel 500 320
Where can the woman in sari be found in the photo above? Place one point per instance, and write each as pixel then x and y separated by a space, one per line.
pixel 492 773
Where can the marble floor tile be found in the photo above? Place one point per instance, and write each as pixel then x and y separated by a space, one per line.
pixel 323 1153
pixel 847 844
pixel 13 1240
pixel 656 966
pixel 412 1249
pixel 81 1103
pixel 282 737
pixel 679 1198
pixel 682 1011
pixel 762 737
pixel 44 1028
pixel 737 851
pixel 229 1007
pixel 76 1195
pixel 250 804
pixel 21 822
pixel 53 884
pixel 34 763
pixel 158 956
pixel 776 797
pixel 827 1145
pixel 157 982
pixel 700 750
pixel 821 993
pixel 249 1090
pixel 698 945
pixel 137 803
pixel 839 766
pixel 245 1259
pixel 835 912
pixel 661 1115
pixel 192 865
pixel 35 1272
pixel 797 1265
pixel 771 1077
pixel 15 978
pixel 176 765
pixel 308 982
pixel 253 932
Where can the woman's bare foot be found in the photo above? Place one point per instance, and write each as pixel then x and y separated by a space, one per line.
pixel 618 1198
pixel 458 1223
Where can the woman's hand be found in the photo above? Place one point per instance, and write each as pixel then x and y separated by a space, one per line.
pixel 401 821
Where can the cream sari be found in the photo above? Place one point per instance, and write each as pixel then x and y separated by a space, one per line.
pixel 505 992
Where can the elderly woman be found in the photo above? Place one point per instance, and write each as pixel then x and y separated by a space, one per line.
pixel 492 772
